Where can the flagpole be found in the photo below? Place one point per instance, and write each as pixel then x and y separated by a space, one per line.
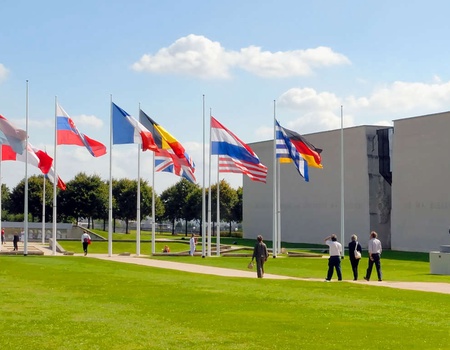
pixel 25 242
pixel 43 209
pixel 274 212
pixel 278 208
pixel 342 179
pixel 278 197
pixel 153 206
pixel 55 181
pixel 203 187
pixel 110 216
pixel 138 199
pixel 1 192
pixel 209 191
pixel 218 210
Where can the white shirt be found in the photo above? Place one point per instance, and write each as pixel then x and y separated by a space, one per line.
pixel 335 247
pixel 85 235
pixel 374 246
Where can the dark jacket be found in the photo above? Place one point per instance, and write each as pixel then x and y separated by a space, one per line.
pixel 351 249
pixel 260 251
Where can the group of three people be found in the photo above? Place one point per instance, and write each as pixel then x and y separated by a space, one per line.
pixel 336 252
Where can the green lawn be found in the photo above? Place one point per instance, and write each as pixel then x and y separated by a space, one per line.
pixel 396 266
pixel 80 303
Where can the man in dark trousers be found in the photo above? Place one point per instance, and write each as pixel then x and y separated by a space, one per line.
pixel 261 254
pixel 16 240
pixel 374 248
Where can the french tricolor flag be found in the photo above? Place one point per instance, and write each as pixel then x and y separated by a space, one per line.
pixel 126 129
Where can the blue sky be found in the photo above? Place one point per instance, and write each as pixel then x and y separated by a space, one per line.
pixel 381 60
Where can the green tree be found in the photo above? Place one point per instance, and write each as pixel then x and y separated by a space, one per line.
pixel 237 209
pixel 227 200
pixel 85 197
pixel 125 195
pixel 177 200
pixel 15 204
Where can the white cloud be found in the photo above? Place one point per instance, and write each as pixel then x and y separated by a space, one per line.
pixel 88 121
pixel 321 111
pixel 199 56
pixel 3 73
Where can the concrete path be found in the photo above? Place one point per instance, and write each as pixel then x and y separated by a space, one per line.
pixel 220 271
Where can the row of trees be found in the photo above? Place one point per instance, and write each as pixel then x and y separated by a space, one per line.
pixel 87 197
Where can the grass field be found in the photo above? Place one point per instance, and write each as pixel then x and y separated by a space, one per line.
pixel 81 303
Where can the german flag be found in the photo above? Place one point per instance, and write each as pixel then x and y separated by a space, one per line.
pixel 310 153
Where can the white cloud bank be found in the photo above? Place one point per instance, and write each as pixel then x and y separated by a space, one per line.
pixel 3 73
pixel 198 56
pixel 321 110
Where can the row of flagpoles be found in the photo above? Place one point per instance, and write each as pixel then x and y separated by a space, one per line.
pixel 234 156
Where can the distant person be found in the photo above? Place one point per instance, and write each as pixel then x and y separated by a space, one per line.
pixel 192 244
pixel 374 248
pixel 334 262
pixel 3 236
pixel 85 240
pixel 352 246
pixel 166 249
pixel 16 239
pixel 260 254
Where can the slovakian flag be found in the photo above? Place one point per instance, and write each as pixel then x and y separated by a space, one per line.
pixel 285 149
pixel 68 134
pixel 12 136
pixel 165 141
pixel 37 158
pixel 234 155
pixel 166 161
pixel 126 130
pixel 310 153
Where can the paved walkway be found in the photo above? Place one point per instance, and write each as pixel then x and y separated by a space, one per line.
pixel 220 271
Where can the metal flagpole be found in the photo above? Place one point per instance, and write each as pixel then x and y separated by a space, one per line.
pixel 138 200
pixel 43 210
pixel 204 189
pixel 55 180
pixel 274 213
pixel 138 207
pixel 25 242
pixel 110 213
pixel 153 206
pixel 209 191
pixel 218 210
pixel 3 237
pixel 342 180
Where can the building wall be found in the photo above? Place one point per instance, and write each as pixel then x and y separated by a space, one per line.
pixel 421 183
pixel 311 210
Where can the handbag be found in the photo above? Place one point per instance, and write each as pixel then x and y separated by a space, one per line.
pixel 357 253
pixel 250 265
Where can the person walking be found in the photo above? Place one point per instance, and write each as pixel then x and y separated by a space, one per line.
pixel 260 254
pixel 374 247
pixel 3 236
pixel 192 244
pixel 353 247
pixel 334 262
pixel 16 239
pixel 85 239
